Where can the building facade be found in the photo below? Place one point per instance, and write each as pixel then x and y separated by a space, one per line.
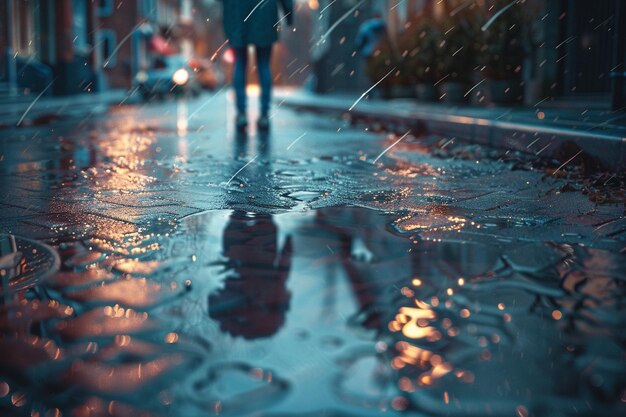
pixel 48 45
pixel 75 46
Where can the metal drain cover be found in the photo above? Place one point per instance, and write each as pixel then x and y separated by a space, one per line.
pixel 24 263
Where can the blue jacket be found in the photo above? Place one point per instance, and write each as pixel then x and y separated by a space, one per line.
pixel 254 22
pixel 369 35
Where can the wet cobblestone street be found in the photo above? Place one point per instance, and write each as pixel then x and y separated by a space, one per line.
pixel 165 265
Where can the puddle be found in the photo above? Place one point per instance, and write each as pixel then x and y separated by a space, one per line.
pixel 343 310
pixel 237 388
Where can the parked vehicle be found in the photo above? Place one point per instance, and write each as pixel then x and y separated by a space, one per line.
pixel 207 73
pixel 170 74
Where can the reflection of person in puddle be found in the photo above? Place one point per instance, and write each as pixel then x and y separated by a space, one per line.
pixel 254 301
pixel 263 142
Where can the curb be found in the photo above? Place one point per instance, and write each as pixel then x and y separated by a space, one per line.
pixel 609 148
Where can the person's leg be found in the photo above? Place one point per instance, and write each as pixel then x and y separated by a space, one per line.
pixel 263 58
pixel 239 79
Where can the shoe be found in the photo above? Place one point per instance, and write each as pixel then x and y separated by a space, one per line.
pixel 241 122
pixel 263 123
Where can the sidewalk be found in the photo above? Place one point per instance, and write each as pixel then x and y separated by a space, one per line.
pixel 541 130
pixel 17 111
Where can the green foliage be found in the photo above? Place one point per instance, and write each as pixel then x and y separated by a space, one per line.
pixel 451 44
pixel 504 51
pixel 460 43
pixel 379 65
pixel 420 50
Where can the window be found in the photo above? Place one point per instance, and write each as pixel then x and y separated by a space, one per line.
pixel 159 63
pixel 108 41
pixel 148 9
pixel 79 22
pixel 105 8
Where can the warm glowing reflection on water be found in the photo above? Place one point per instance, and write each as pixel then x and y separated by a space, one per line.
pixel 421 323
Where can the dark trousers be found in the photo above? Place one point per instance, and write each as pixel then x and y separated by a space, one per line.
pixel 263 58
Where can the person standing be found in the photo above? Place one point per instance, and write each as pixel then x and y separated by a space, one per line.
pixel 254 22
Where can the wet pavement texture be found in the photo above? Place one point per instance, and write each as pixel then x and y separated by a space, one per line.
pixel 166 265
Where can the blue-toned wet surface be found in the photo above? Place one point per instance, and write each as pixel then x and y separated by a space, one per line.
pixel 195 282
